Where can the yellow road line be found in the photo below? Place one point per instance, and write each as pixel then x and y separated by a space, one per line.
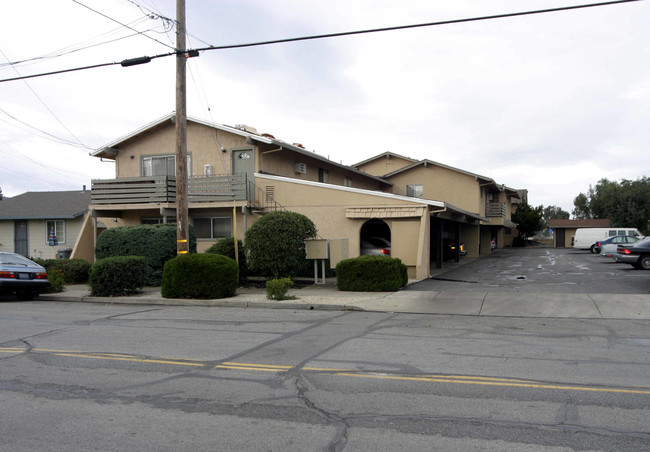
pixel 432 378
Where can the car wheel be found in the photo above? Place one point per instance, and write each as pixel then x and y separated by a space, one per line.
pixel 644 262
pixel 591 250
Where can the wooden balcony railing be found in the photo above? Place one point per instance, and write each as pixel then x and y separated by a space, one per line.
pixel 162 189
pixel 496 209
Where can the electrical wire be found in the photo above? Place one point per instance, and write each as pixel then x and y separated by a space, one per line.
pixel 322 36
pixel 124 25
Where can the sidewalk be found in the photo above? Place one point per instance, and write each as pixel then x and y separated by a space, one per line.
pixel 327 297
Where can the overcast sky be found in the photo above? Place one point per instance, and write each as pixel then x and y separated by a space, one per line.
pixel 551 103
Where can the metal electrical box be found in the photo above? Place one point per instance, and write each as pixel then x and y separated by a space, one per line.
pixel 316 249
pixel 339 250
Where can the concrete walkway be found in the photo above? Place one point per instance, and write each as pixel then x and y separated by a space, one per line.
pixel 327 297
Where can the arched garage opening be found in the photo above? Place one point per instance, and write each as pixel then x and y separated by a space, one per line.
pixel 375 238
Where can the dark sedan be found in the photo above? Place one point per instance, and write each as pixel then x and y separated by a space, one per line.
pixel 21 276
pixel 637 255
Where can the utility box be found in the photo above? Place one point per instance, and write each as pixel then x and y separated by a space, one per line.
pixel 316 249
pixel 339 250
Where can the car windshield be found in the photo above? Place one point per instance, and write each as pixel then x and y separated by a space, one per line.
pixel 15 259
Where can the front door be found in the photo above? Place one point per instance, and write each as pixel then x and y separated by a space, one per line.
pixel 244 163
pixel 21 245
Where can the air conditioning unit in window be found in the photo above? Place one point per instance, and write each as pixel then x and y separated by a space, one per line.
pixel 300 168
pixel 207 170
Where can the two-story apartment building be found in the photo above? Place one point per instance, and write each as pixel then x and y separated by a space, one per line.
pixel 237 174
pixel 470 192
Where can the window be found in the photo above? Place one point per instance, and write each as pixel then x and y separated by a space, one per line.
pixel 162 165
pixel 348 181
pixel 323 175
pixel 213 227
pixel 56 227
pixel 157 220
pixel 415 191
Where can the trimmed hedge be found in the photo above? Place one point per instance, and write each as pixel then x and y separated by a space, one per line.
pixel 226 247
pixel 371 274
pixel 156 243
pixel 120 275
pixel 200 276
pixel 74 271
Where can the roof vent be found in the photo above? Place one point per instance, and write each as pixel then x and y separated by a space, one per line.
pixel 246 128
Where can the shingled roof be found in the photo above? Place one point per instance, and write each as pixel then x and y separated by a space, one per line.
pixel 45 205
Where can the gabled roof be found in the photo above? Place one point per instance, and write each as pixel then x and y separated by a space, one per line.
pixel 110 150
pixel 385 155
pixel 45 205
pixel 481 179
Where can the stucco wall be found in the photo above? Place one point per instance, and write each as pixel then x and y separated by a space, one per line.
pixel 203 145
pixel 327 209
pixel 458 189
pixel 384 165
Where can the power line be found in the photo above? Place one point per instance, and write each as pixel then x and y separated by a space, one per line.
pixel 124 25
pixel 194 52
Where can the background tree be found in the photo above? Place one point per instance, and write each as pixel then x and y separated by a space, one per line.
pixel 552 213
pixel 625 203
pixel 276 244
pixel 529 221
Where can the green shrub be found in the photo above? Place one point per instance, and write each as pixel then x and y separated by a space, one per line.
pixel 371 274
pixel 157 243
pixel 56 279
pixel 120 275
pixel 75 271
pixel 226 247
pixel 276 289
pixel 200 276
pixel 276 244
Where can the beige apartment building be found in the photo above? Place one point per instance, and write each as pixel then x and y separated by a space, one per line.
pixel 237 174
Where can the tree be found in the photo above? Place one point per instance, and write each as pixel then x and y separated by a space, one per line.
pixel 552 213
pixel 529 221
pixel 276 244
pixel 625 203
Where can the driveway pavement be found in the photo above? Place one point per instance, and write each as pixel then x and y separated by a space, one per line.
pixel 555 284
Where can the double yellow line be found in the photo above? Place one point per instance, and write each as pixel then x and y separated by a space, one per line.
pixel 432 378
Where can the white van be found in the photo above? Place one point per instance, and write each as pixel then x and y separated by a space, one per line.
pixel 586 238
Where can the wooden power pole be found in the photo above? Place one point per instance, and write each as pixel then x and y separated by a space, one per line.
pixel 182 220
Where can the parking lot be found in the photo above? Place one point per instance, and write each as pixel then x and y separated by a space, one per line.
pixel 539 270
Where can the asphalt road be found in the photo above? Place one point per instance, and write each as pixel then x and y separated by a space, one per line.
pixel 117 377
pixel 541 270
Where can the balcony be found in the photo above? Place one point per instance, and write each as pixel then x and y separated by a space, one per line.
pixel 496 209
pixel 162 189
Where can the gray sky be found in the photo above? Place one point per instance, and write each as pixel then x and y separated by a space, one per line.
pixel 551 103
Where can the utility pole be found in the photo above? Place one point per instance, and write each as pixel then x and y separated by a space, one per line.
pixel 182 220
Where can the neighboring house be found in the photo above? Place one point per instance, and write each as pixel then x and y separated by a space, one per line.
pixel 565 230
pixel 30 222
pixel 237 174
pixel 479 195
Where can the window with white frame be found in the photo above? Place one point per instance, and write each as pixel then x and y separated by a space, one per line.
pixel 56 227
pixel 415 191
pixel 212 227
pixel 162 165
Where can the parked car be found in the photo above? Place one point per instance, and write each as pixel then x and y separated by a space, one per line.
pixel 375 246
pixel 637 254
pixel 608 246
pixel 21 276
